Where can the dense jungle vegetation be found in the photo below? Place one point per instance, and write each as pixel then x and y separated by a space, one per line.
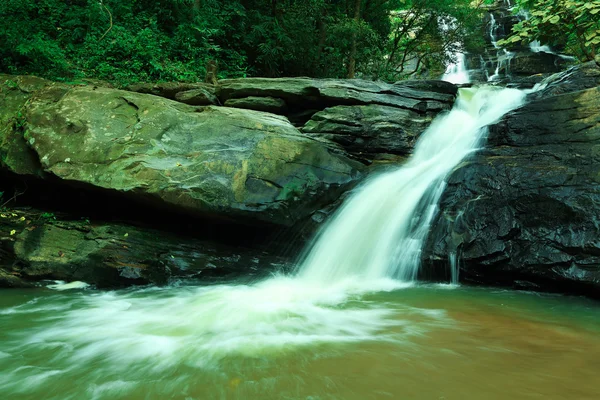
pixel 151 40
pixel 572 25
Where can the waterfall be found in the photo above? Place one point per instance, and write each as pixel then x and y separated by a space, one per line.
pixel 456 71
pixel 372 244
pixel 493 31
pixel 536 46
pixel 380 230
pixel 454 267
pixel 503 56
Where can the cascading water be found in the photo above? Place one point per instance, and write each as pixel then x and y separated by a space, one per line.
pixel 162 337
pixel 380 231
pixel 503 56
pixel 456 71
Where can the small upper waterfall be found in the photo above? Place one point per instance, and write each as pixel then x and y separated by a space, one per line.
pixel 499 63
pixel 503 56
pixel 379 231
pixel 456 71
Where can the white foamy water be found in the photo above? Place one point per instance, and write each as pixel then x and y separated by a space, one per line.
pixel 61 285
pixel 372 244
pixel 379 232
pixel 456 72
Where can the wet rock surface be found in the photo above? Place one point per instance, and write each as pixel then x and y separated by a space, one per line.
pixel 366 131
pixel 137 156
pixel 215 161
pixel 525 211
pixel 37 245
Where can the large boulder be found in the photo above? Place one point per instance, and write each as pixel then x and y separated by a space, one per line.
pixel 525 212
pixel 372 120
pixel 527 63
pixel 212 161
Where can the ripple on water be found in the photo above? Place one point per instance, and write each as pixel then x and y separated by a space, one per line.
pixel 278 339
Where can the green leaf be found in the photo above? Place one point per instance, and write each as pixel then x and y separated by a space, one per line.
pixel 514 39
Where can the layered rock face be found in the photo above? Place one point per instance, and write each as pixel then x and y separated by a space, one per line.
pixel 525 211
pixel 264 154
pixel 37 246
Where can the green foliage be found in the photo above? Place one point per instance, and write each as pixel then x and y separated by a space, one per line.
pixel 119 41
pixel 570 24
pixel 425 34
pixel 173 40
pixel 20 122
pixel 47 216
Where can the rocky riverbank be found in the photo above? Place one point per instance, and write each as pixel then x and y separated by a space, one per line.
pixel 525 211
pixel 261 161
pixel 171 181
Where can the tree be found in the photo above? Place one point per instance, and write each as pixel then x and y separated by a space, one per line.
pixel 152 40
pixel 352 59
pixel 425 34
pixel 570 24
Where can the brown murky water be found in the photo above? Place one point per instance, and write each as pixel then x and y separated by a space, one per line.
pixel 426 342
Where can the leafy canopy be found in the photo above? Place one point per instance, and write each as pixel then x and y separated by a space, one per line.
pixel 570 24
pixel 173 40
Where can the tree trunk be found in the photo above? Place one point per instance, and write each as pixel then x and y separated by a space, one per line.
pixel 322 28
pixel 352 60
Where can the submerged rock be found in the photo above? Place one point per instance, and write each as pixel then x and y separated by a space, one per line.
pixel 525 212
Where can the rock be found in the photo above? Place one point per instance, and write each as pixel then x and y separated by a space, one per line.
pixel 527 82
pixel 579 77
pixel 169 90
pixel 15 92
pixel 528 63
pixel 526 211
pixel 367 130
pixel 430 86
pixel 213 161
pixel 197 97
pixel 11 280
pixel 266 104
pixel 108 254
pixel 305 93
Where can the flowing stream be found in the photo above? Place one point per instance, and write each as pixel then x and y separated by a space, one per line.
pixel 350 323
